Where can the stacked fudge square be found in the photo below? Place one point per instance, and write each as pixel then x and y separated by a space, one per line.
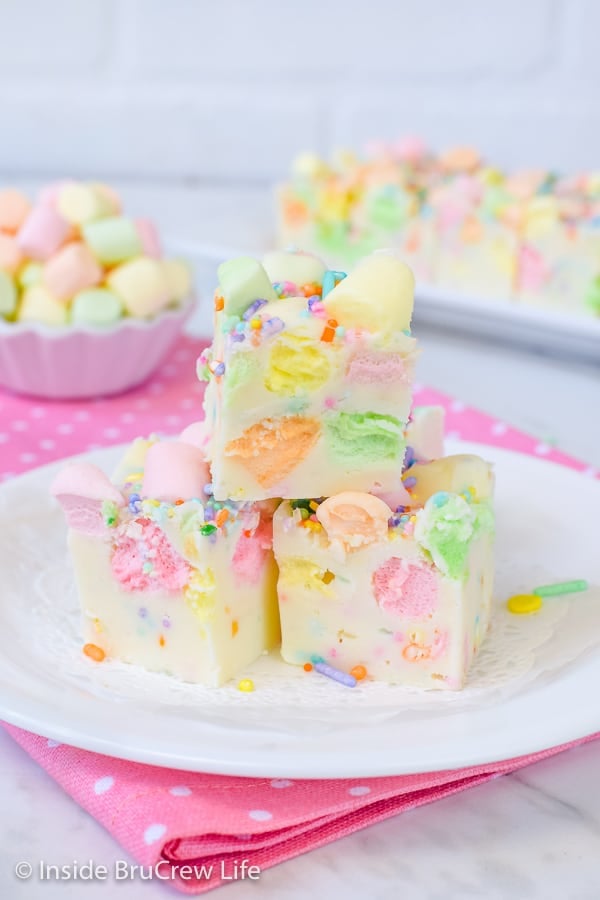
pixel 309 500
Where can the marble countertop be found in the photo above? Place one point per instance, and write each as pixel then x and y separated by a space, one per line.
pixel 532 835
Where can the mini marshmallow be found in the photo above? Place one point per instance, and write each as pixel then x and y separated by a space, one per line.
pixel 71 270
pixel 8 294
pixel 110 195
pixel 113 240
pixel 377 295
pixel 82 203
pixel 174 471
pixel 179 279
pixel 96 307
pixel 141 285
pixel 148 234
pixel 42 232
pixel 30 274
pixel 455 474
pixel 241 281
pixel 14 209
pixel 39 305
pixel 10 253
pixel 196 434
pixel 81 489
pixel 295 266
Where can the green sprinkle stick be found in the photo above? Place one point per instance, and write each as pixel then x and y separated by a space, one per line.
pixel 563 587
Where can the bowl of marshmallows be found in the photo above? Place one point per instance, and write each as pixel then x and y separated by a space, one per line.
pixel 89 305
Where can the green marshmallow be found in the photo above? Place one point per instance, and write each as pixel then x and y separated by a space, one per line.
pixel 363 438
pixel 30 274
pixel 241 282
pixel 97 306
pixel 113 240
pixel 8 295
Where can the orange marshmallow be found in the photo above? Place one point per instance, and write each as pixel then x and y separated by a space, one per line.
pixel 71 270
pixel 10 254
pixel 14 207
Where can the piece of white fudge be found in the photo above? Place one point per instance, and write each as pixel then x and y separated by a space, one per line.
pixel 403 594
pixel 169 578
pixel 310 376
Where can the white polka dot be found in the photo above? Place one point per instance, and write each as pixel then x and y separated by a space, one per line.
pixel 64 428
pixel 187 403
pixel 260 815
pixel 28 458
pixel 3 437
pixel 37 412
pixel 82 415
pixel 47 444
pixel 104 784
pixel 173 420
pixel 543 449
pixel 20 425
pixel 51 743
pixel 359 791
pixel 154 833
pixel 143 403
pixel 499 428
pixel 127 418
pixel 281 783
pixel 111 432
pixel 181 791
pixel 457 406
pixel 157 388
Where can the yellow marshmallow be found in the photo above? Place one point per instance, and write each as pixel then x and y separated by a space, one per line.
pixel 179 279
pixel 39 305
pixel 376 296
pixel 82 203
pixel 142 286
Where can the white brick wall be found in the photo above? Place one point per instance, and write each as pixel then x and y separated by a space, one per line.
pixel 231 89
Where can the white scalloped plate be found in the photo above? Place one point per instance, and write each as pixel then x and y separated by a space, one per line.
pixel 546 517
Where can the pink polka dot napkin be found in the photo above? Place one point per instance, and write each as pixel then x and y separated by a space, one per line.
pixel 197 829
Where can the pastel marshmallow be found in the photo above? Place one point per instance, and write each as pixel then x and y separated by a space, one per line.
pixel 71 270
pixel 294 266
pixel 174 470
pixel 80 203
pixel 141 285
pixel 14 209
pixel 42 232
pixel 31 273
pixel 377 295
pixel 113 240
pixel 196 434
pixel 82 489
pixel 461 473
pixel 39 305
pixel 241 281
pixel 11 255
pixel 8 294
pixel 148 234
pixel 97 306
pixel 179 279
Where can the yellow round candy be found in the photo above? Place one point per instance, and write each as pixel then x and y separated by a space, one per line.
pixel 523 604
pixel 246 685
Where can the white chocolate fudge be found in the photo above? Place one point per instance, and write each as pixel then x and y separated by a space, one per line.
pixel 169 579
pixel 403 594
pixel 310 377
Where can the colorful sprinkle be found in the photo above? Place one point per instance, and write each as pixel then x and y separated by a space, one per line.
pixel 235 627
pixel 523 604
pixel 221 517
pixel 562 587
pixel 246 685
pixel 219 303
pixel 335 674
pixel 94 652
pixel 161 641
pixel 208 529
pixel 308 667
pixel 328 577
pixel 359 672
pixel 252 309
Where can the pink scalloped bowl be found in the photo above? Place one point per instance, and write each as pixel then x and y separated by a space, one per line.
pixel 75 362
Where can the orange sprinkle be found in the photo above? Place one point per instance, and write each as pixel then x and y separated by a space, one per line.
pixel 328 577
pixel 179 502
pixel 219 303
pixel 328 334
pixel 234 628
pixel 333 323
pixel 94 652
pixel 221 517
pixel 312 288
pixel 161 641
pixel 307 667
pixel 247 533
pixel 359 672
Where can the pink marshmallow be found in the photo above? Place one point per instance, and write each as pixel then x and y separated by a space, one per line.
pixel 149 237
pixel 10 254
pixel 48 196
pixel 72 269
pixel 410 149
pixel 81 489
pixel 42 233
pixel 394 499
pixel 368 367
pixel 195 434
pixel 14 208
pixel 173 471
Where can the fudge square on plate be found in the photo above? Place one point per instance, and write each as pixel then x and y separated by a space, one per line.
pixel 310 376
pixel 168 578
pixel 403 595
